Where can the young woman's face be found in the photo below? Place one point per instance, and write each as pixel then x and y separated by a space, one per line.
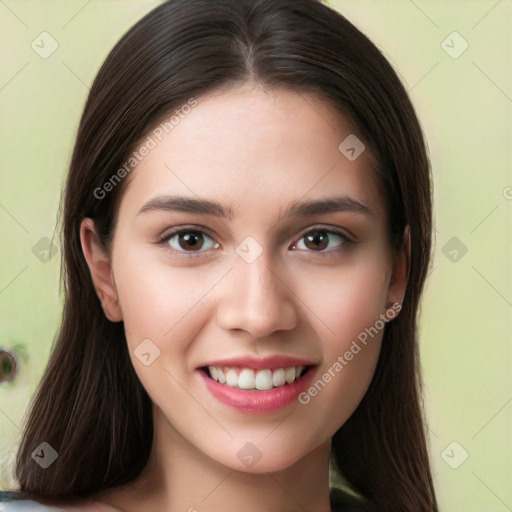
pixel 248 242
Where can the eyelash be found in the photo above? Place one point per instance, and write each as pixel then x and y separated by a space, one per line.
pixel 164 240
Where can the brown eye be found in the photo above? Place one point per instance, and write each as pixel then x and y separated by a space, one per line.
pixel 190 241
pixel 316 240
pixel 320 239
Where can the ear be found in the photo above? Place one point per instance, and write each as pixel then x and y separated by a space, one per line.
pixel 101 270
pixel 400 271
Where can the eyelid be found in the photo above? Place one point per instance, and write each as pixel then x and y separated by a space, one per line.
pixel 336 230
pixel 171 231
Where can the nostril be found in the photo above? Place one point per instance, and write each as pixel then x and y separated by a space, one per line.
pixel 8 366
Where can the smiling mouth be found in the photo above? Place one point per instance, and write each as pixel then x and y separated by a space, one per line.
pixel 256 380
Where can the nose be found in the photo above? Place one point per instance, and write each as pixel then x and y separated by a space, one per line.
pixel 255 298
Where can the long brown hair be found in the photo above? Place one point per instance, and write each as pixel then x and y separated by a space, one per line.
pixel 90 406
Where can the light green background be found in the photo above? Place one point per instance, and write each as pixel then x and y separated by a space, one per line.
pixel 465 105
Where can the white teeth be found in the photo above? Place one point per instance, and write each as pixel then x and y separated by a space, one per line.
pixel 262 380
pixel 246 379
pixel 289 374
pixel 278 378
pixel 231 377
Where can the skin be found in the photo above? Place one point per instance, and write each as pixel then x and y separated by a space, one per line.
pixel 255 151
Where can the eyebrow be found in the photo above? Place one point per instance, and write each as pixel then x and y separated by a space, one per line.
pixel 294 209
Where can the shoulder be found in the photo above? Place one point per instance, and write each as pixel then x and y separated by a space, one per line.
pixel 21 505
pixel 15 502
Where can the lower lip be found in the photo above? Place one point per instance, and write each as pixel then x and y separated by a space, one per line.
pixel 258 402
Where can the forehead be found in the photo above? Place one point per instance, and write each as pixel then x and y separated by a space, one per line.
pixel 247 147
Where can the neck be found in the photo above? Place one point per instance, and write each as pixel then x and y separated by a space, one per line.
pixel 178 477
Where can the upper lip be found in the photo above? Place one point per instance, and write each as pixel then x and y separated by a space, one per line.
pixel 261 363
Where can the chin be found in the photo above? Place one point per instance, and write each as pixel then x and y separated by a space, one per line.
pixel 260 456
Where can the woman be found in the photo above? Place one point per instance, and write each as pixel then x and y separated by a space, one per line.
pixel 246 234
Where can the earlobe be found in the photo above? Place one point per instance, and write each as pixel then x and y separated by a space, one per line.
pixel 400 272
pixel 101 270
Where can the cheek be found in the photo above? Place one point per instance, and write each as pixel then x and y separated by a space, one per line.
pixel 163 311
pixel 346 301
pixel 154 296
pixel 160 302
pixel 350 309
